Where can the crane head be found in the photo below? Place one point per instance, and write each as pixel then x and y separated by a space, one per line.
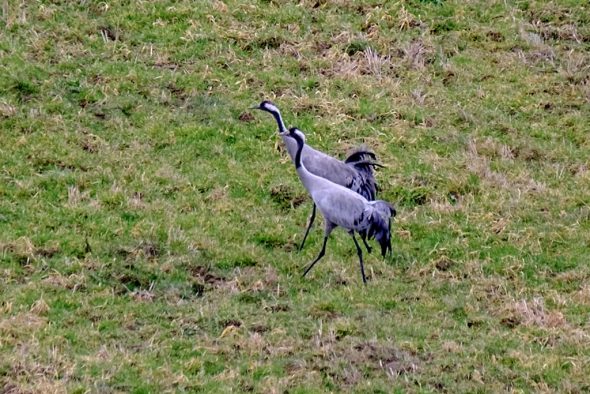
pixel 294 131
pixel 267 106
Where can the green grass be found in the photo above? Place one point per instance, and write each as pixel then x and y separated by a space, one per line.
pixel 149 219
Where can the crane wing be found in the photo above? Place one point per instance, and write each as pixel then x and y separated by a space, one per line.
pixel 343 207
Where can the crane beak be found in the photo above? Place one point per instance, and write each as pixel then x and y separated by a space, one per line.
pixel 255 107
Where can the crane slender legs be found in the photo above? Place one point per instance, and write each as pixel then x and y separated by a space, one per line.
pixel 310 223
pixel 329 228
pixel 360 254
pixel 311 219
pixel 363 235
pixel 322 252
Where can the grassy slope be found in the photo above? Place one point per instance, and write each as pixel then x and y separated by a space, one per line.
pixel 147 220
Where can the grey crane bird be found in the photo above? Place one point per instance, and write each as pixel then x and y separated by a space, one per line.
pixel 343 207
pixel 355 172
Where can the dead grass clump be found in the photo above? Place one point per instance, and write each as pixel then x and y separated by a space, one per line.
pixel 585 89
pixel 506 152
pixel 347 363
pixel 145 249
pixel 136 200
pixel 218 199
pixel 28 374
pixel 575 67
pixel 479 163
pixel 342 67
pixel 452 347
pixel 558 32
pixel 582 296
pixel 376 64
pixel 204 274
pixel 406 20
pixel 534 313
pixel 204 277
pixel 7 110
pixel 20 324
pixel 392 360
pixel 358 59
pixel 531 38
pixel 143 295
pixel 72 282
pixel 538 53
pixel 445 206
pixel 418 54
pixel 286 197
pixel 75 196
pixel 25 252
pixel 40 307
pixel 419 96
pixel 253 344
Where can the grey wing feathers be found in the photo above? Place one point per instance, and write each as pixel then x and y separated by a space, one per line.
pixel 342 210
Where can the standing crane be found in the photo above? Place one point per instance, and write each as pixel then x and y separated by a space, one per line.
pixel 343 207
pixel 355 172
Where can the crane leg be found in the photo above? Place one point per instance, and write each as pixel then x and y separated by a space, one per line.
pixel 322 252
pixel 311 219
pixel 360 254
pixel 364 238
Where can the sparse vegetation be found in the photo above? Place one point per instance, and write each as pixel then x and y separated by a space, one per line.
pixel 148 219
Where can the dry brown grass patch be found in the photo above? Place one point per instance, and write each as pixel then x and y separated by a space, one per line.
pixel 575 67
pixel 418 53
pixel 582 296
pixel 75 196
pixel 367 62
pixel 26 252
pixel 534 313
pixel 20 324
pixel 7 110
pixel 406 20
pixel 72 282
pixel 479 163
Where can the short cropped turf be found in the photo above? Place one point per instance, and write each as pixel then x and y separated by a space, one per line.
pixel 149 219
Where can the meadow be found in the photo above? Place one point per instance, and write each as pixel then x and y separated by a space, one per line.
pixel 149 219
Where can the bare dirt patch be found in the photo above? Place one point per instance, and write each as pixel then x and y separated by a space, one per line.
pixel 147 249
pixel 204 274
pixel 286 197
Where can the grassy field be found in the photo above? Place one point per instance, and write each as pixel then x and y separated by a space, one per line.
pixel 149 219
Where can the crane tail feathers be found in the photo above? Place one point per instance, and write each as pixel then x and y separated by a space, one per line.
pixel 364 162
pixel 360 154
pixel 380 227
pixel 360 163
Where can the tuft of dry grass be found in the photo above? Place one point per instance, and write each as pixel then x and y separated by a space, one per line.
pixel 418 53
pixel 534 313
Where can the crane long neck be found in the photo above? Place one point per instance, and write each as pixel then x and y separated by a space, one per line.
pixel 310 181
pixel 277 115
pixel 300 144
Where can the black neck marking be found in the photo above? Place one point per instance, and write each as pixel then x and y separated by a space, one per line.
pixel 279 119
pixel 297 138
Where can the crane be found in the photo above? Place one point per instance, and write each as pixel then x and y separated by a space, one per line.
pixel 343 207
pixel 355 172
